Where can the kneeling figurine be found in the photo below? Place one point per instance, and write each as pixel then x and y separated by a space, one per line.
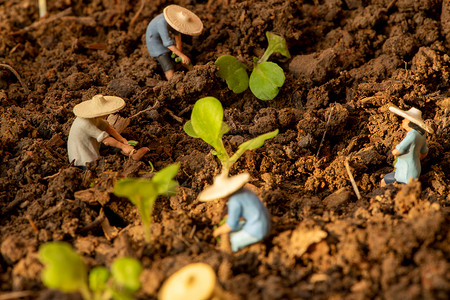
pixel 411 150
pixel 90 129
pixel 248 220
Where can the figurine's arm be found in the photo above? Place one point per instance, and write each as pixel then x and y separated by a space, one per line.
pixel 178 42
pixel 110 141
pixel 423 155
pixel 113 132
pixel 395 152
pixel 222 230
pixel 185 60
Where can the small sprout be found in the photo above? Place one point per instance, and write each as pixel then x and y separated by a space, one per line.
pixel 133 143
pixel 65 271
pixel 64 268
pixel 98 279
pixel 266 77
pixel 207 123
pixel 126 272
pixel 143 193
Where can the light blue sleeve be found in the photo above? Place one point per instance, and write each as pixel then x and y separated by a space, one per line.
pixel 424 148
pixel 164 34
pixel 234 214
pixel 404 145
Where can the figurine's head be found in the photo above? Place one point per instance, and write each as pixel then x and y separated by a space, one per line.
pixel 183 20
pixel 413 115
pixel 98 106
pixel 224 186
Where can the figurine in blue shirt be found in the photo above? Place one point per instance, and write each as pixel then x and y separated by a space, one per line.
pixel 248 220
pixel 175 19
pixel 411 150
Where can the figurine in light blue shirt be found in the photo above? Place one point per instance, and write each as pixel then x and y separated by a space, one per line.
pixel 175 19
pixel 411 150
pixel 248 220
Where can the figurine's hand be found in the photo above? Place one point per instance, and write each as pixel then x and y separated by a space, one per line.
pixel 185 60
pixel 124 141
pixel 127 149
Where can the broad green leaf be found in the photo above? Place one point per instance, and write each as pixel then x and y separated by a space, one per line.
pixel 189 129
pixel 265 80
pixel 64 268
pixel 137 190
pixel 234 72
pixel 225 128
pixel 98 277
pixel 206 118
pixel 258 141
pixel 126 272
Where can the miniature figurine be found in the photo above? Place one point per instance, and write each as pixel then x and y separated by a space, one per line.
pixel 248 220
pixel 175 19
pixel 90 129
pixel 411 149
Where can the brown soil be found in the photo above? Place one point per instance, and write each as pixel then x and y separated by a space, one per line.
pixel 357 56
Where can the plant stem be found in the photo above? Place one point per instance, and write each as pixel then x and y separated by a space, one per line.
pixel 266 55
pixel 85 292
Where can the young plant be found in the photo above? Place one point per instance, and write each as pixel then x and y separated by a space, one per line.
pixel 143 193
pixel 66 271
pixel 207 123
pixel 265 78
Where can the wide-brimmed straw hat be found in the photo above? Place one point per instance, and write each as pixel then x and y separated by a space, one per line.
pixel 414 115
pixel 223 186
pixel 183 20
pixel 98 106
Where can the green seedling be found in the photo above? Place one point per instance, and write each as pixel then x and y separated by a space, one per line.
pixel 224 219
pixel 133 143
pixel 66 271
pixel 143 193
pixel 266 77
pixel 207 123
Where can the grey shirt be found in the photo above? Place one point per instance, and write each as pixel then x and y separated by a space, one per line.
pixel 84 140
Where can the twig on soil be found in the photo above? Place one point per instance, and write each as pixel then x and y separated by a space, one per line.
pixel 155 106
pixel 191 234
pixel 33 225
pixel 94 224
pixel 138 13
pixel 178 119
pixel 27 91
pixel 17 295
pixel 352 180
pixel 326 128
pixel 42 8
pixel 43 21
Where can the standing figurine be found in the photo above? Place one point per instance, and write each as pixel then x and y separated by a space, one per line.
pixel 411 149
pixel 90 129
pixel 248 220
pixel 175 19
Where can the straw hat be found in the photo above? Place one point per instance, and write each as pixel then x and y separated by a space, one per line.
pixel 183 20
pixel 98 106
pixel 196 281
pixel 223 186
pixel 413 114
